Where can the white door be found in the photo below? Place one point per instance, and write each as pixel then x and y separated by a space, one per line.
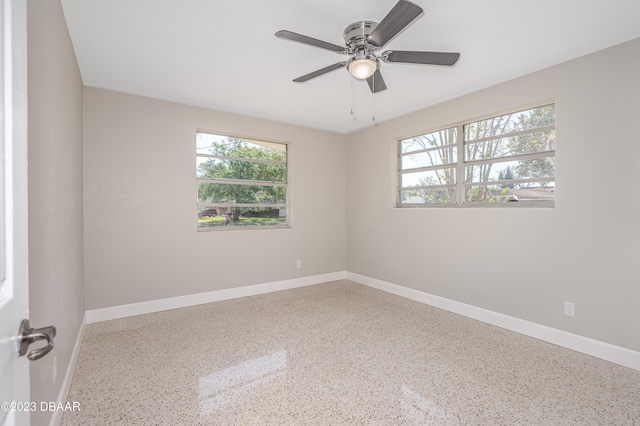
pixel 14 285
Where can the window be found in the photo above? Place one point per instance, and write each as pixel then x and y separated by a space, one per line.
pixel 242 183
pixel 498 160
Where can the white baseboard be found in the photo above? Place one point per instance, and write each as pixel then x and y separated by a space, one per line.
pixel 123 311
pixel 56 418
pixel 598 349
pixel 602 350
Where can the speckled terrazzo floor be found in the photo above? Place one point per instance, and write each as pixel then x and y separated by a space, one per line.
pixel 333 354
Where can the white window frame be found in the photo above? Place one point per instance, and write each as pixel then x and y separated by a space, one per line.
pixel 460 165
pixel 203 206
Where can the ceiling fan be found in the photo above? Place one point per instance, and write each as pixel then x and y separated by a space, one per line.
pixel 364 38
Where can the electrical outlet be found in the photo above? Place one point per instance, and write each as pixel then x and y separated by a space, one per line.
pixel 299 264
pixel 570 309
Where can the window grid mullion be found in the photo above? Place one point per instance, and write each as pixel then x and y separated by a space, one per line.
pixel 427 168
pixel 243 159
pixel 502 182
pixel 256 205
pixel 512 134
pixel 409 188
pixel 460 166
pixel 241 182
pixel 504 159
pixel 420 151
pixel 398 175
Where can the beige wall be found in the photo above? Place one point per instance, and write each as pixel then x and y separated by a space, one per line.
pixel 521 262
pixel 141 241
pixel 55 193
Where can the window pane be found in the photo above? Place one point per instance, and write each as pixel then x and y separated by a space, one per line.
pixel 430 140
pixel 207 143
pixel 509 158
pixel 213 193
pixel 514 145
pixel 242 216
pixel 429 158
pixel 510 123
pixel 525 192
pixel 428 178
pixel 508 170
pixel 261 169
pixel 428 196
pixel 538 191
pixel 231 169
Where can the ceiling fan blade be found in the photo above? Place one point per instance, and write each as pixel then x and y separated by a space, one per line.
pixel 376 82
pixel 320 72
pixel 310 40
pixel 396 20
pixel 426 58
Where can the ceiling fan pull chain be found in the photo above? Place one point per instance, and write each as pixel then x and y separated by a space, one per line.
pixel 373 93
pixel 352 96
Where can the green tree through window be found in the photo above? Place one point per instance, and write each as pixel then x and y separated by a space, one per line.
pixel 241 182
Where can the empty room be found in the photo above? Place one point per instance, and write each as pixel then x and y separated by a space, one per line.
pixel 366 212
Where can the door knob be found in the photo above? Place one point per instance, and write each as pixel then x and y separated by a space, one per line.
pixel 28 335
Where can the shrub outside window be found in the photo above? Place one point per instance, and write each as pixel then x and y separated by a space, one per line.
pixel 242 183
pixel 503 160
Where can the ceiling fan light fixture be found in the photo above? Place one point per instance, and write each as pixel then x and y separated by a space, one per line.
pixel 362 65
pixel 363 68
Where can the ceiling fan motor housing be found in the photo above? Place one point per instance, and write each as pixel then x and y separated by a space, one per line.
pixel 355 35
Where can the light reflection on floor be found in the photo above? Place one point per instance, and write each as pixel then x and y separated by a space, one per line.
pixel 419 410
pixel 220 387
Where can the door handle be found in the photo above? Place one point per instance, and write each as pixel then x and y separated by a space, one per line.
pixel 28 335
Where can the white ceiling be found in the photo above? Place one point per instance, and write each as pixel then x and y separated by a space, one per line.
pixel 223 55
